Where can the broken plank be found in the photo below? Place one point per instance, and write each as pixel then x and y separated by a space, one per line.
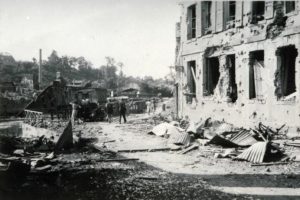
pixel 269 164
pixel 108 141
pixel 118 160
pixel 292 144
pixel 193 147
pixel 143 150
pixel 98 148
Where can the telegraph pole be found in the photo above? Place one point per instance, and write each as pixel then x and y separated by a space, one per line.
pixel 40 66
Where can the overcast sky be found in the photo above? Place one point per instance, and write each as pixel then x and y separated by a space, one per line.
pixel 140 33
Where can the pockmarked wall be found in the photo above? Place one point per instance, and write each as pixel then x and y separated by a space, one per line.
pixel 264 75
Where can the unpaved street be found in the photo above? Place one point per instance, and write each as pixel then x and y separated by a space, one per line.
pixel 235 177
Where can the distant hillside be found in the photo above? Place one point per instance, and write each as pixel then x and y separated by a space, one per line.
pixel 78 68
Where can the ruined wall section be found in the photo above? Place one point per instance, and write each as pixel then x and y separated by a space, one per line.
pixel 241 41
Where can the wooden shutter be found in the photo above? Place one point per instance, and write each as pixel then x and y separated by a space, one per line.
pixel 278 79
pixel 188 76
pixel 239 14
pixel 297 7
pixel 219 17
pixel 189 23
pixel 269 9
pixel 213 16
pixel 198 20
pixel 247 12
pixel 203 17
pixel 204 75
pixel 258 70
pixel 225 13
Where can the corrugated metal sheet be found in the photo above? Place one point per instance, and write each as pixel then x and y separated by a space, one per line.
pixel 255 153
pixel 183 139
pixel 219 140
pixel 180 138
pixel 243 138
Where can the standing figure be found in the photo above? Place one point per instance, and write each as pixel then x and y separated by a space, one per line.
pixel 122 110
pixel 148 106
pixel 74 112
pixel 109 110
pixel 153 105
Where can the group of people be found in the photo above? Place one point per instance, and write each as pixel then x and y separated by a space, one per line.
pixel 150 106
pixel 110 110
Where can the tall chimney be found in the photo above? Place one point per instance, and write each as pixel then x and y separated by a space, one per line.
pixel 40 66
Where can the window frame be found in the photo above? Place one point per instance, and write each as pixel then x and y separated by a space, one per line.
pixel 206 93
pixel 206 30
pixel 293 12
pixel 254 15
pixel 258 97
pixel 230 23
pixel 282 57
pixel 191 28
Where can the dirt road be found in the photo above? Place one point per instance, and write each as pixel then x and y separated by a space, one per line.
pixel 233 177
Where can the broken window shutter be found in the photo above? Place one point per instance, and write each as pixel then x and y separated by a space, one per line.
pixel 285 77
pixel 277 81
pixel 209 78
pixel 229 64
pixel 194 75
pixel 194 81
pixel 269 10
pixel 239 14
pixel 258 68
pixel 198 20
pixel 188 76
pixel 219 17
pixel 204 76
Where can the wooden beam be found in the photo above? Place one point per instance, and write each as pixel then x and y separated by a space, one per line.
pixel 118 160
pixel 269 164
pixel 143 150
pixel 193 73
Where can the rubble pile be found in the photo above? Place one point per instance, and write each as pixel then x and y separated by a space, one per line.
pixel 258 145
pixel 22 158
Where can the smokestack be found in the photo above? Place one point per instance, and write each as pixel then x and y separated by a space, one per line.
pixel 40 66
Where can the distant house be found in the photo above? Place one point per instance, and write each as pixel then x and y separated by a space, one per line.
pixel 131 86
pixel 77 83
pixel 8 86
pixel 130 92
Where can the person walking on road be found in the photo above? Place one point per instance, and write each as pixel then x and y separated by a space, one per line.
pixel 153 105
pixel 109 110
pixel 148 107
pixel 75 107
pixel 122 110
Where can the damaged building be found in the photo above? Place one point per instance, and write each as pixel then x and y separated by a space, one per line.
pixel 238 61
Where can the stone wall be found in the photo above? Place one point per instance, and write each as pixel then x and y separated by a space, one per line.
pixel 268 35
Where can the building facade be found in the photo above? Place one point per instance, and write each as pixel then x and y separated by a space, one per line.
pixel 238 61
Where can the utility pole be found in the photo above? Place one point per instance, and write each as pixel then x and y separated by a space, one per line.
pixel 40 66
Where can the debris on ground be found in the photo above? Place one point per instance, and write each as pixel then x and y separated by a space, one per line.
pixel 255 153
pixel 187 136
